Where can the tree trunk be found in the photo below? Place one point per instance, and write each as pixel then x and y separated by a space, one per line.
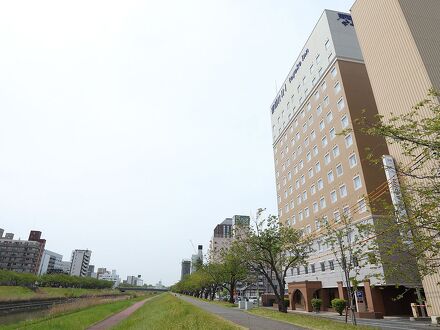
pixel 231 292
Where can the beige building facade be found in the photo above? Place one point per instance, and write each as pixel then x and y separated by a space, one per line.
pixel 400 42
pixel 321 174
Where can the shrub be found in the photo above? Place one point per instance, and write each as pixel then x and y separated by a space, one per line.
pixel 316 304
pixel 339 305
pixel 286 302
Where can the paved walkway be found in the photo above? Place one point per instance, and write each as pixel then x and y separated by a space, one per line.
pixel 388 323
pixel 236 316
pixel 116 318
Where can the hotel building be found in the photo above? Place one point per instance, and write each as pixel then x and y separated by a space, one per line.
pixel 80 262
pixel 322 175
pixel 400 41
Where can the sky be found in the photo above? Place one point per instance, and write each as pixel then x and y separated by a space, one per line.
pixel 132 128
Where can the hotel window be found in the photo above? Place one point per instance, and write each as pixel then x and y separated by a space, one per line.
pixel 335 151
pixel 312 189
pixel 320 72
pixel 327 159
pixel 303 180
pixel 341 104
pixel 309 107
pixel 325 220
pixel 319 110
pixel 318 58
pixel 315 207
pixel 296 122
pixel 313 135
pixel 310 172
pixel 344 121
pixel 310 121
pixel 362 206
pixel 313 81
pixel 315 151
pixel 305 127
pixel 306 269
pixel 332 133
pixel 298 200
pixel 287 208
pixel 324 86
pixel 299 150
pixel 299 88
pixel 352 160
pixel 293 220
pixel 295 170
pixel 290 190
pixel 318 167
pixel 287 149
pixel 288 161
pixel 329 57
pixel 306 212
pixel 279 199
pixel 346 211
pixel 322 265
pixel 321 125
pixel 303 114
pixel 343 191
pixel 329 117
pixel 308 229
pixel 317 224
pixel 301 165
pixel 339 170
pixel 297 136
pixel 322 203
pixel 297 184
pixel 357 182
pixel 282 154
pixel 326 101
pixel 334 72
pixel 330 176
pixel 294 155
pixel 317 95
pixel 304 195
pixel 309 157
pixel 333 196
pixel 312 268
pixel 285 193
pixel 348 140
pixel 300 216
pixel 311 68
pixel 289 176
pixel 331 264
pixel 327 44
pixel 337 216
pixel 324 141
pixel 292 204
pixel 306 141
pixel 337 87
pixel 320 184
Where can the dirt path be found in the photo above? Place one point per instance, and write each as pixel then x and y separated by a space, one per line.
pixel 118 317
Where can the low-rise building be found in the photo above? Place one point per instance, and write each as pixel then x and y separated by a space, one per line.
pixel 110 276
pixel 135 280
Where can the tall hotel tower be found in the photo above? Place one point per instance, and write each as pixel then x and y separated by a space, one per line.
pixel 321 174
pixel 400 41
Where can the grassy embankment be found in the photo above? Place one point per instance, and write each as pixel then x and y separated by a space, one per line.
pixel 8 293
pixel 218 302
pixel 169 312
pixel 306 321
pixel 77 319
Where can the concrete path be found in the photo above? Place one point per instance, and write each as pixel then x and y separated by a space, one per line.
pixel 118 317
pixel 239 317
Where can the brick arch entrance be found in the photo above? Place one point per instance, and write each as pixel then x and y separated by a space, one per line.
pixel 304 290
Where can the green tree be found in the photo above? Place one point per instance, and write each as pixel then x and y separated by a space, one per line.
pixel 269 248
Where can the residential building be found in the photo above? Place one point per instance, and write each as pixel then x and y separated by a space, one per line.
pixel 197 259
pixel 49 262
pixel 80 262
pixel 22 256
pixel 135 280
pixel 321 174
pixel 221 239
pixel 186 268
pixel 400 42
pixel 91 271
pixel 110 276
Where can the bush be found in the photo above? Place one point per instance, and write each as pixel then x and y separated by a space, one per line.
pixel 339 305
pixel 316 304
pixel 286 302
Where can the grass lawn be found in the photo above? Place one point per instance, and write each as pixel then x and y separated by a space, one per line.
pixel 218 302
pixel 20 293
pixel 76 320
pixel 169 312
pixel 306 321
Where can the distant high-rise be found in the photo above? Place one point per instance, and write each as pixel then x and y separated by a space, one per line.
pixel 197 259
pixel 50 262
pixel 80 262
pixel 186 268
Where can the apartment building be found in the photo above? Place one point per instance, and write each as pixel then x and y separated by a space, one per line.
pixel 80 262
pixel 321 174
pixel 50 262
pixel 400 42
pixel 185 268
pixel 22 256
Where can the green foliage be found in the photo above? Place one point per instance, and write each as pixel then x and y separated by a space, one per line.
pixel 10 278
pixel 339 305
pixel 316 303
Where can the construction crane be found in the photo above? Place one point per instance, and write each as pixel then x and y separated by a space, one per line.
pixel 194 248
